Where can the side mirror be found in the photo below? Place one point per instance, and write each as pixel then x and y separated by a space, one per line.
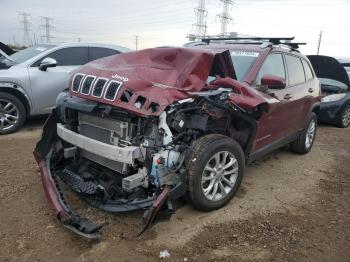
pixel 273 82
pixel 47 62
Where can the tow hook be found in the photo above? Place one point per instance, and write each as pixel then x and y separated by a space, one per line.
pixel 160 210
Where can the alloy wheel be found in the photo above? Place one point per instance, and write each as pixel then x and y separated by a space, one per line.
pixel 310 133
pixel 219 175
pixel 9 114
pixel 346 116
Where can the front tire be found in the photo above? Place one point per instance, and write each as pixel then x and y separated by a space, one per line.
pixel 307 137
pixel 344 117
pixel 215 171
pixel 12 113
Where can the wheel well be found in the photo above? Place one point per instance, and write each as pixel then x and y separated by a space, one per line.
pixel 316 109
pixel 19 95
pixel 241 128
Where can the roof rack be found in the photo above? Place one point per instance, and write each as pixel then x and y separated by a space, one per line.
pixel 264 40
pixel 273 40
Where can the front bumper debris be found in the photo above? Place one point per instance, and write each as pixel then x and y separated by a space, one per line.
pixel 50 143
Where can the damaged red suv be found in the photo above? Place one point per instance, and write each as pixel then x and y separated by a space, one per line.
pixel 142 129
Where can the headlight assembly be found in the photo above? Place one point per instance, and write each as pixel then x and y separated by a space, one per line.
pixel 332 98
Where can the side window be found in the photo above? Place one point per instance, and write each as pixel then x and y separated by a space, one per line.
pixel 69 56
pixel 99 52
pixel 295 70
pixel 307 69
pixel 273 65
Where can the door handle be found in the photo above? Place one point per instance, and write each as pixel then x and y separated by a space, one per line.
pixel 311 90
pixel 288 96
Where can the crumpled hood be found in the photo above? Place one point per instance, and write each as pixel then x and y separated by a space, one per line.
pixel 159 75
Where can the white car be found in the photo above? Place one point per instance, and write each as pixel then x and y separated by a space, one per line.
pixel 31 79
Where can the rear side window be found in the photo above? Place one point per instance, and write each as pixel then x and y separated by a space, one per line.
pixel 69 56
pixel 295 70
pixel 307 69
pixel 273 65
pixel 99 52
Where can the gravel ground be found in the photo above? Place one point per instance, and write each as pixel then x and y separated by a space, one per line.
pixel 289 208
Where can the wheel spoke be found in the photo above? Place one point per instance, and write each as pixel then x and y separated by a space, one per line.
pixel 207 178
pixel 7 106
pixel 232 171
pixel 210 169
pixel 215 189
pixel 227 182
pixel 223 162
pixel 222 189
pixel 217 160
pixel 229 164
pixel 2 124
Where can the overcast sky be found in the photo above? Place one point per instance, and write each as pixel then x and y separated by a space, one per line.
pixel 167 22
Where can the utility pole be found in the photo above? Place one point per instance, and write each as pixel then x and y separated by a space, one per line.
pixel 319 42
pixel 25 27
pixel 136 42
pixel 200 27
pixel 48 27
pixel 225 17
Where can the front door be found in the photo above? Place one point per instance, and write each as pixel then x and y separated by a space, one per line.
pixel 46 85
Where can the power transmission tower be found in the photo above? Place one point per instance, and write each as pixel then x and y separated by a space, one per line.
pixel 136 42
pixel 48 27
pixel 25 27
pixel 200 27
pixel 225 17
pixel 319 42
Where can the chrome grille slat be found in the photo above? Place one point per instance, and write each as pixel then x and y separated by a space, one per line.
pixel 87 83
pixel 77 82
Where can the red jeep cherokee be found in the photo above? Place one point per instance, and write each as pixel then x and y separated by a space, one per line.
pixel 141 129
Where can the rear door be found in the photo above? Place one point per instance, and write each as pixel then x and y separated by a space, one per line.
pixel 302 87
pixel 46 85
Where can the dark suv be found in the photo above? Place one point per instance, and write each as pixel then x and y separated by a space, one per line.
pixel 142 129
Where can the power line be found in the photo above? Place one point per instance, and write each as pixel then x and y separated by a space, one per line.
pixel 319 42
pixel 201 24
pixel 25 27
pixel 48 27
pixel 225 17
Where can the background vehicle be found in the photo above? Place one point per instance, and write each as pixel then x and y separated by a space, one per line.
pixel 335 106
pixel 31 79
pixel 141 129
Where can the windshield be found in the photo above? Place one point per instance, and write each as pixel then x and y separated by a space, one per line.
pixel 5 63
pixel 242 61
pixel 29 52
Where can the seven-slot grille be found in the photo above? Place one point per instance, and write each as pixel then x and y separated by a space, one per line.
pixel 97 87
pixel 112 90
pixel 76 82
pixel 87 83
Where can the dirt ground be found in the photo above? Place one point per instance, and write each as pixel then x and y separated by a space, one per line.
pixel 289 208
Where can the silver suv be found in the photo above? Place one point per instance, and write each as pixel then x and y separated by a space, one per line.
pixel 31 79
